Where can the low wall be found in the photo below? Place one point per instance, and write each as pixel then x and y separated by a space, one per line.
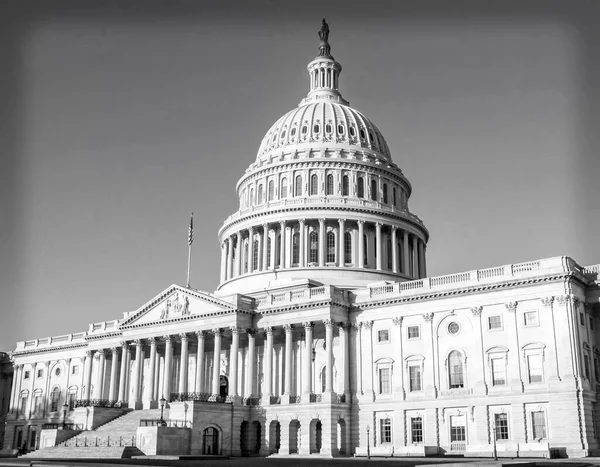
pixel 49 438
pixel 162 440
pixel 93 417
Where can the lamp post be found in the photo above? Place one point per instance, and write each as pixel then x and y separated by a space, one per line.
pixel 494 438
pixel 65 408
pixel 368 445
pixel 162 402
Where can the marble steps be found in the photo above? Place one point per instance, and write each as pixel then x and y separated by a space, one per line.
pixel 64 452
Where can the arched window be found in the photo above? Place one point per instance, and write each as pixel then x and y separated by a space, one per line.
pixel 269 259
pixel 271 190
pixel 260 194
pixel 243 198
pixel 347 247
pixel 361 187
pixel 385 194
pixel 330 247
pixel 373 190
pixel 365 254
pixel 251 200
pixel 323 379
pixel 277 251
pixel 255 254
pixel 54 396
pixel 329 184
pixel 296 248
pixel 455 369
pixel 314 247
pixel 283 190
pixel 389 252
pixel 245 255
pixel 298 190
pixel 394 196
pixel 314 184
pixel 345 186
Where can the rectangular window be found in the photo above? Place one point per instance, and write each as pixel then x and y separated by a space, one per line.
pixel 416 429
pixel 501 421
pixel 385 383
pixel 538 422
pixel 23 407
pixel 586 365
pixel 534 366
pixel 414 372
pixel 75 370
pixel 40 373
pixel 592 323
pixel 596 373
pixel 72 399
pixel 38 403
pixel 581 319
pixel 494 322
pixel 414 332
pixel 26 374
pixel 498 372
pixel 32 439
pixel 530 318
pixel 383 335
pixel 458 432
pixel 385 428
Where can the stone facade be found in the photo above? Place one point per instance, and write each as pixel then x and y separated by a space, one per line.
pixel 325 335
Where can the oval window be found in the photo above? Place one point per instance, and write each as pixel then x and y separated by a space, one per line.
pixel 362 133
pixel 316 129
pixel 453 328
pixel 328 128
pixel 304 130
pixel 283 134
pixel 341 129
pixel 293 132
pixel 352 131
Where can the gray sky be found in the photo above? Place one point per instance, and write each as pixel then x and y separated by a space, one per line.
pixel 119 120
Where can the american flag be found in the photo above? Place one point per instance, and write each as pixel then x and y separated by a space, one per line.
pixel 191 231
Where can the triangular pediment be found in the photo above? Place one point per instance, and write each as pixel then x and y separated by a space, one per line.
pixel 175 304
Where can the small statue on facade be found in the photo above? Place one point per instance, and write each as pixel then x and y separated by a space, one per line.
pixel 165 311
pixel 186 306
pixel 324 47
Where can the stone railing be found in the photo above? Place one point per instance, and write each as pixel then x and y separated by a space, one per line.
pixel 200 397
pixel 62 426
pixel 253 401
pixel 275 400
pixel 478 276
pixel 169 423
pixel 303 295
pixel 97 403
pixel 99 441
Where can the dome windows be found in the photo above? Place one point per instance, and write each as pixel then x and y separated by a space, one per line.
pixel 328 128
pixel 316 128
pixel 360 187
pixel 284 188
pixel 314 185
pixel 282 134
pixel 352 131
pixel 385 193
pixel 373 190
pixel 329 187
pixel 271 190
pixel 304 129
pixel 345 185
pixel 293 132
pixel 298 187
pixel 340 129
pixel 362 134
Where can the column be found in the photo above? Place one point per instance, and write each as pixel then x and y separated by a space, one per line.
pixel 259 251
pixel 424 272
pixel 306 370
pixel 223 261
pixel 282 244
pixel 149 400
pixel 229 257
pixel 123 375
pixel 302 249
pixel 268 388
pixel 322 245
pixel 341 240
pixel 289 242
pixel 156 384
pixel 250 249
pixel 344 329
pixel 415 257
pixel 288 328
pixel 329 360
pixel 199 361
pixel 100 375
pixel 361 244
pixel 265 247
pixel 137 373
pixel 405 256
pixel 183 364
pixel 394 250
pixel 15 383
pixel 250 362
pixel 112 390
pixel 421 259
pixel 216 361
pixel 168 368
pixel 378 245
pixel 367 355
pixel 233 361
pixel 238 257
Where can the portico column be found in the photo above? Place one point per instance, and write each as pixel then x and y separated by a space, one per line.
pixel 250 249
pixel 394 250
pixel 282 244
pixel 216 361
pixel 250 364
pixel 302 246
pixel 229 257
pixel 183 364
pixel 122 376
pixel 15 385
pixel 361 244
pixel 149 396
pixel 112 389
pixel 406 256
pixel 223 261
pixel 307 373
pixel 288 359
pixel 421 259
pixel 168 368
pixel 238 258
pixel 415 257
pixel 199 361
pixel 424 272
pixel 341 241
pixel 100 375
pixel 273 249
pixel 265 247
pixel 268 388
pixel 378 245
pixel 322 242
pixel 233 361
pixel 329 356
pixel 344 329
pixel 88 374
pixel 137 378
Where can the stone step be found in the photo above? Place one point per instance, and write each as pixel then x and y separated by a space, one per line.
pixel 62 452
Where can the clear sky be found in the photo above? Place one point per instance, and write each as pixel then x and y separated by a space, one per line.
pixel 118 120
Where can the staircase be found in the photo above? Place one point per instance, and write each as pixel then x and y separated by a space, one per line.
pixel 115 439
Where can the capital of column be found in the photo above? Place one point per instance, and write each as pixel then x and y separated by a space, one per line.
pixel 282 224
pixel 88 354
pixel 428 317
pixel 394 228
pixel 113 351
pixel 547 301
pixel 168 338
pixel 265 227
pixel 100 353
pixel 124 344
pixel 288 328
pixel 397 320
pixel 217 331
pixel 235 330
pixel 138 342
pixel 322 221
pixel 511 306
pixel 151 341
pixel 308 325
pixel 360 222
pixel 268 330
pixel 378 225
pixel 302 222
pixel 183 336
pixel 200 334
pixel 251 331
pixel 476 310
pixel 366 324
pixel 343 326
pixel 328 323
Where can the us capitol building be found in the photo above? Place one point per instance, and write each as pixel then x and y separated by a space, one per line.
pixel 325 335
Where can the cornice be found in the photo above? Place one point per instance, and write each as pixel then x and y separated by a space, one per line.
pixel 187 318
pixel 92 337
pixel 18 353
pixel 302 306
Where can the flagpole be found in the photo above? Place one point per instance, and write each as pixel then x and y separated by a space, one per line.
pixel 190 241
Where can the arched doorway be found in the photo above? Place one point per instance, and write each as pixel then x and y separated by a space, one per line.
pixel 316 436
pixel 341 436
pixel 210 441
pixel 274 437
pixel 255 441
pixel 223 386
pixel 294 439
pixel 245 438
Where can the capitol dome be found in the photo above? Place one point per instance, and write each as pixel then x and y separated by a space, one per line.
pixel 323 201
